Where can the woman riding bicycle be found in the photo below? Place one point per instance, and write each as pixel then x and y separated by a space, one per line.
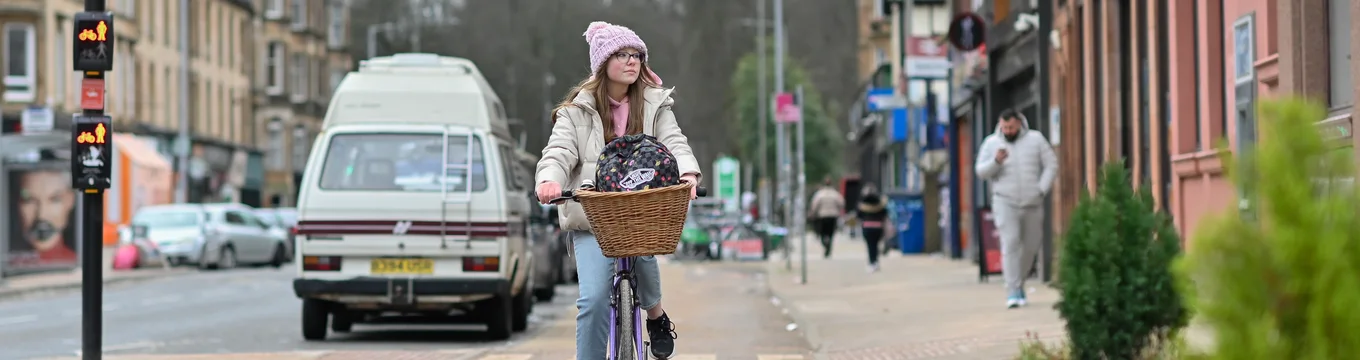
pixel 621 97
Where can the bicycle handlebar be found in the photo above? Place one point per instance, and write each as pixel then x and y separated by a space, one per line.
pixel 571 195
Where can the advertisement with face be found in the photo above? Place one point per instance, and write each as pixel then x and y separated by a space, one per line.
pixel 41 220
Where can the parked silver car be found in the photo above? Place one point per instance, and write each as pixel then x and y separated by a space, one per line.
pixel 212 236
pixel 281 223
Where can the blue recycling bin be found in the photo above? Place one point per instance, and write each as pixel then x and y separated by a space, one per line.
pixel 909 220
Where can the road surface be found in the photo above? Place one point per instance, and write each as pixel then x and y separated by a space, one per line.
pixel 721 309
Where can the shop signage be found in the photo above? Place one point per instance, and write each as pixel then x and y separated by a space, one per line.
pixel 37 120
pixel 1339 128
pixel 926 59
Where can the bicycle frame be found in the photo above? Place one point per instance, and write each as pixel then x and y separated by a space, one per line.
pixel 623 269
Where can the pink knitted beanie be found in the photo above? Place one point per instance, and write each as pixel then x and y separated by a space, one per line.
pixel 605 39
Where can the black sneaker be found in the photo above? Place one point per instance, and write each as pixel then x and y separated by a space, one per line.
pixel 662 333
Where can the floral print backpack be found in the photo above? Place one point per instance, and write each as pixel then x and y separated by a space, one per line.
pixel 635 162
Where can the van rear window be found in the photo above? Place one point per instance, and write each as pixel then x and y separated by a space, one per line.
pixel 402 162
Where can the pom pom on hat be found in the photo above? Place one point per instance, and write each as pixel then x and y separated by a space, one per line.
pixel 594 28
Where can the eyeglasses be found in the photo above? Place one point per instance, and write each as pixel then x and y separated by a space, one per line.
pixel 623 56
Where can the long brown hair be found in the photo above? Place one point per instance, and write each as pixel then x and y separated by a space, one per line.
pixel 595 85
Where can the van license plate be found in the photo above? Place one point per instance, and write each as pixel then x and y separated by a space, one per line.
pixel 402 266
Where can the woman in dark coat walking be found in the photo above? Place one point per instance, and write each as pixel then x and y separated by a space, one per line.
pixel 873 216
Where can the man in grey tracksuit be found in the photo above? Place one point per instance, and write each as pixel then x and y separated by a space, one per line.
pixel 1021 165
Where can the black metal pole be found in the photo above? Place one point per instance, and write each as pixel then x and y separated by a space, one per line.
pixel 92 253
pixel 1045 98
pixel 92 273
pixel 989 112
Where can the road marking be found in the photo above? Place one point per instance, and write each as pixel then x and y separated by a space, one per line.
pixel 161 300
pixel 694 357
pixel 18 319
pixel 507 357
pixel 129 346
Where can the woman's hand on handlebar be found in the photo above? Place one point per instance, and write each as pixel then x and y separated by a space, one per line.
pixel 694 185
pixel 548 191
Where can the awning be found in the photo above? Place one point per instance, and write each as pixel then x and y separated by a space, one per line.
pixel 11 145
pixel 140 152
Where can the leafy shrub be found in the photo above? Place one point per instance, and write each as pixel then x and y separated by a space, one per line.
pixel 1118 290
pixel 1282 280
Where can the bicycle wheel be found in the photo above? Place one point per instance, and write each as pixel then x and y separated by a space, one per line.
pixel 626 305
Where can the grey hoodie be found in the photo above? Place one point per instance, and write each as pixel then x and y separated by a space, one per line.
pixel 1028 172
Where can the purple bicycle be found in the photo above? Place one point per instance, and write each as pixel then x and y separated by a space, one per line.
pixel 625 311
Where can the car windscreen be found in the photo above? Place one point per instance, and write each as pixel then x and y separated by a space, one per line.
pixel 403 162
pixel 270 218
pixel 168 219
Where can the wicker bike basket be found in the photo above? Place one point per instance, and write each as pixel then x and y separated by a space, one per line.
pixel 637 223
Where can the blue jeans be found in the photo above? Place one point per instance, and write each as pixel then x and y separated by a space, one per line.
pixel 596 273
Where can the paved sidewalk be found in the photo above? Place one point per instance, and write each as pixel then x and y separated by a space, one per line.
pixel 63 280
pixel 916 307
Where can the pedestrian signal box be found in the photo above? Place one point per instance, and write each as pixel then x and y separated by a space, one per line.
pixel 91 152
pixel 94 40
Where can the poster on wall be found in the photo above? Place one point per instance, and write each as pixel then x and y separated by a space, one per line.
pixel 42 226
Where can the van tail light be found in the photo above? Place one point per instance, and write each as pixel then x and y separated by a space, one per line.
pixel 481 264
pixel 293 230
pixel 320 263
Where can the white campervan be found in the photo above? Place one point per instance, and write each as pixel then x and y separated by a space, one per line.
pixel 410 204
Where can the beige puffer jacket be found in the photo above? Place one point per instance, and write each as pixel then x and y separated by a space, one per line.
pixel 578 136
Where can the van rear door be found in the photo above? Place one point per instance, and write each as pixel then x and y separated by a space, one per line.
pixel 376 192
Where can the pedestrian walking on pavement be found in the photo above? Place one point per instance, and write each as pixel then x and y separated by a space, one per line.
pixel 825 210
pixel 621 97
pixel 873 216
pixel 1021 166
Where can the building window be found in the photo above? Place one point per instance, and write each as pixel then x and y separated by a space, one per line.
pixel 146 23
pixel 299 13
pixel 335 32
pixel 274 159
pixel 300 147
pixel 1098 26
pixel 196 109
pixel 299 71
pixel 1144 102
pixel 21 62
pixel 163 12
pixel 128 8
pixel 336 77
pixel 273 68
pixel 1342 92
pixel 61 58
pixel 273 9
pixel 130 87
pixel 1163 94
pixel 1200 97
pixel 170 101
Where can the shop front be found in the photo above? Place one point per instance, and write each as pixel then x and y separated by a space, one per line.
pixel 217 172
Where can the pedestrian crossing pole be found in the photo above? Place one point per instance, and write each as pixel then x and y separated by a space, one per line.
pixel 91 160
pixel 801 194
